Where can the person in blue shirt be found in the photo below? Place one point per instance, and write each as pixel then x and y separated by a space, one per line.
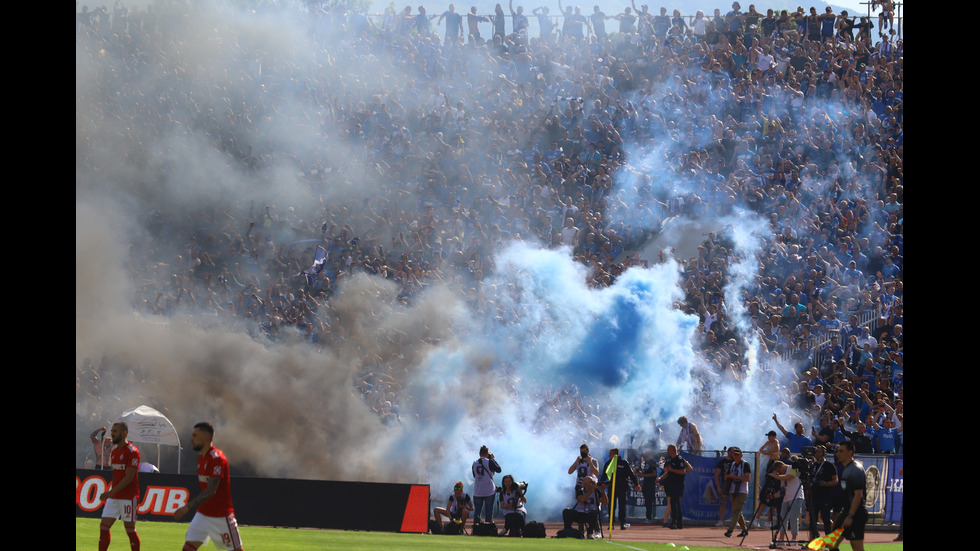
pixel 834 350
pixel 839 436
pixel 661 23
pixel 422 25
pixel 863 404
pixel 795 441
pixel 794 302
pixel 575 24
pixel 518 19
pixel 828 21
pixel 545 25
pixel 890 270
pixel 830 324
pixel 733 22
pixel 887 436
pixel 454 25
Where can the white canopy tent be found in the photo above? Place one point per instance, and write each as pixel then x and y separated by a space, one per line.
pixel 149 426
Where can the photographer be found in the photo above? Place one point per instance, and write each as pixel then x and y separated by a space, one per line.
pixel 583 466
pixel 792 492
pixel 824 482
pixel 737 480
pixel 770 494
pixel 588 500
pixel 770 450
pixel 457 509
pixel 722 485
pixel 512 502
pixel 483 487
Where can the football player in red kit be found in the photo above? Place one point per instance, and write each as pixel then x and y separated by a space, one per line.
pixel 215 517
pixel 122 499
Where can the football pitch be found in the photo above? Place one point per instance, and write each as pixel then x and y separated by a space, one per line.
pixel 169 536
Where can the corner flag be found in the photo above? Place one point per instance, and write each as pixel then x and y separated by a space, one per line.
pixel 611 469
pixel 829 540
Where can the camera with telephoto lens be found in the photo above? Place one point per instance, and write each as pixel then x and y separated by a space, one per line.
pixel 804 464
pixel 521 487
pixel 770 494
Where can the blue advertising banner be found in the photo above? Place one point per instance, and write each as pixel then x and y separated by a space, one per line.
pixel 701 496
pixel 893 489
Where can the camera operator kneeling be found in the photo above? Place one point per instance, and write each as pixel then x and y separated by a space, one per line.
pixel 589 498
pixel 512 502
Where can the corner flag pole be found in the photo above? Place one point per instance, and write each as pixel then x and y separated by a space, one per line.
pixel 612 502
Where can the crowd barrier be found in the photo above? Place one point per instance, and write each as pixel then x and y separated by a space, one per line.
pixel 383 507
pixel 701 499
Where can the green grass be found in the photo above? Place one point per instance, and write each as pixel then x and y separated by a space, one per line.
pixel 168 536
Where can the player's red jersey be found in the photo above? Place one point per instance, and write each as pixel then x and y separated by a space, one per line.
pixel 121 460
pixel 215 464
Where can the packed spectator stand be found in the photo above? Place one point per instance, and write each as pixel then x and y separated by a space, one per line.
pixel 593 143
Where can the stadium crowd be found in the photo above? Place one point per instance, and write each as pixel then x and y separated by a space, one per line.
pixel 580 136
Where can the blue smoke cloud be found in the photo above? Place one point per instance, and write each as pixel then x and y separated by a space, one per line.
pixel 553 365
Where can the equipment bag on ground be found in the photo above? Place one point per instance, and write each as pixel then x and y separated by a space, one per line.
pixel 485 529
pixel 534 529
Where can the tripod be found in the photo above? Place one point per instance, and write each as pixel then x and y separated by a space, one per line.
pixel 781 525
pixel 770 496
pixel 793 514
pixel 775 503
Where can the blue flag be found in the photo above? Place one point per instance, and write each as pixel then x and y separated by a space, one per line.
pixel 319 258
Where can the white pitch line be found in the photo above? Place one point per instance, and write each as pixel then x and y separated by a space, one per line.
pixel 624 545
